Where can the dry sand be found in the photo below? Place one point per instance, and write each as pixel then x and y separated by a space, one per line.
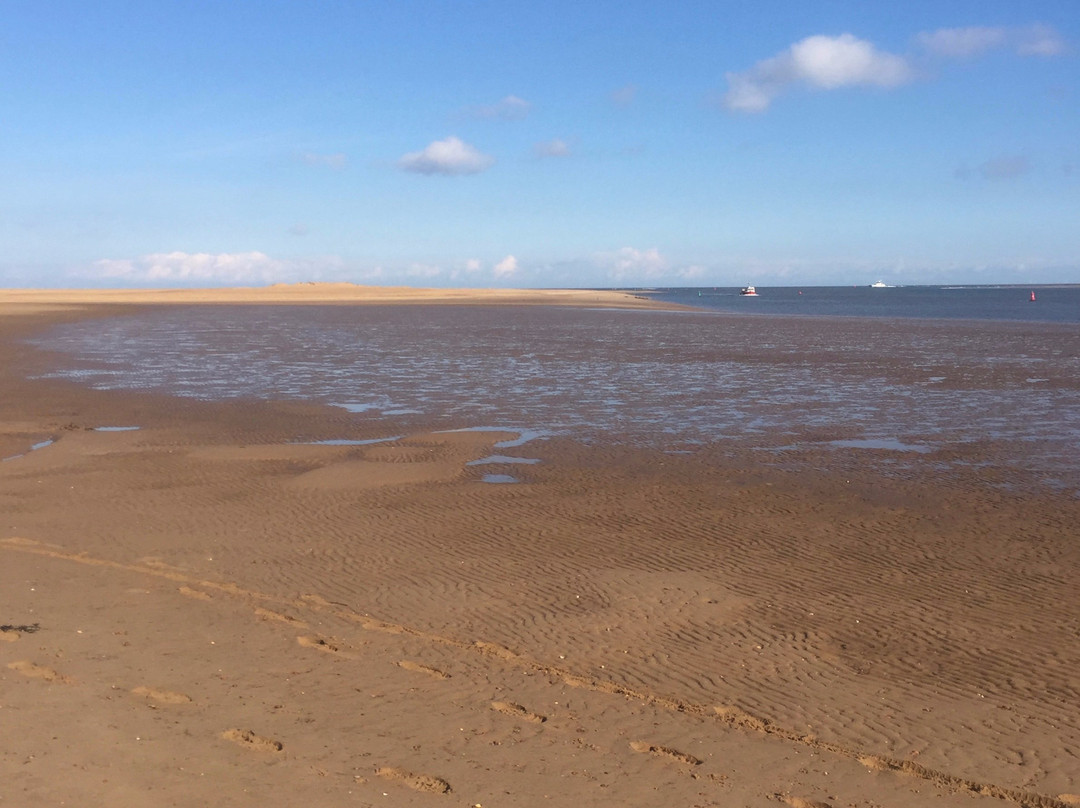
pixel 344 293
pixel 198 613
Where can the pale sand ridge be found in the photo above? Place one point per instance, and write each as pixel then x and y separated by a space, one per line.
pixel 305 293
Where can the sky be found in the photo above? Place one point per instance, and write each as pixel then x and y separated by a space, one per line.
pixel 556 144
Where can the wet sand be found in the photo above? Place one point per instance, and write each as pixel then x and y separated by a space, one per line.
pixel 200 611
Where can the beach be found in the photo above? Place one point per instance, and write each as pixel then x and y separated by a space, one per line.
pixel 271 602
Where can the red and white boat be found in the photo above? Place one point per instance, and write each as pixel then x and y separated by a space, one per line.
pixel 748 291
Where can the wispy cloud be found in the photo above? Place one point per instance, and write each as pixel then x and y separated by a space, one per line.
pixel 450 157
pixel 1039 40
pixel 825 62
pixel 184 268
pixel 629 263
pixel 625 95
pixel 820 62
pixel 1005 168
pixel 556 147
pixel 966 43
pixel 961 43
pixel 510 108
pixel 335 161
pixel 424 271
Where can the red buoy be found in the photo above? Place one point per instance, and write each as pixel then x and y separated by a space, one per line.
pixel 1032 295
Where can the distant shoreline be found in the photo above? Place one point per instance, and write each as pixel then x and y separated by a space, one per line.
pixel 334 293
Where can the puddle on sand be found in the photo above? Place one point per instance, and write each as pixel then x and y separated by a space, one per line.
pixel 498 478
pixel 116 428
pixel 383 407
pixel 347 441
pixel 484 461
pixel 41 444
pixel 881 443
pixel 884 444
pixel 523 435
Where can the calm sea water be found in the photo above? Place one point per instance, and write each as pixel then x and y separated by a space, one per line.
pixel 1053 304
pixel 913 392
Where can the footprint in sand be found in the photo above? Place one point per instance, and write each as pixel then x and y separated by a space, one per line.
pixel 665 752
pixel 740 718
pixel 517 711
pixel 416 667
pixel 28 668
pixel 317 601
pixel 799 802
pixel 277 617
pixel 156 563
pixel 249 740
pixel 326 645
pixel 417 782
pixel 498 651
pixel 161 696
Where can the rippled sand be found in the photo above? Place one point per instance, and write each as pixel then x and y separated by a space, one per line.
pixel 208 610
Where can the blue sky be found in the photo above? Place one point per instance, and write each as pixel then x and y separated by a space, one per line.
pixel 539 144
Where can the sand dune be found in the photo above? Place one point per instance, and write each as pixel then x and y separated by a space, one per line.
pixel 226 617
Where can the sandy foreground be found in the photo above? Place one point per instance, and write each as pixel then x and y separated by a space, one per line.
pixel 203 612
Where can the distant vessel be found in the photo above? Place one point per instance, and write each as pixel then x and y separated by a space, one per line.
pixel 880 285
pixel 748 291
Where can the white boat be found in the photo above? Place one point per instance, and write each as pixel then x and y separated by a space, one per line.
pixel 748 291
pixel 880 285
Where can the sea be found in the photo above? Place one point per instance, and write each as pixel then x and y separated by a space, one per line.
pixel 1051 304
pixel 907 379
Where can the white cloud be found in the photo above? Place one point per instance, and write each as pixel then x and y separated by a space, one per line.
pixel 831 62
pixel 185 268
pixel 298 229
pixel 451 157
pixel 556 147
pixel 961 43
pixel 335 161
pixel 510 108
pixel 506 268
pixel 844 61
pixel 820 62
pixel 628 263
